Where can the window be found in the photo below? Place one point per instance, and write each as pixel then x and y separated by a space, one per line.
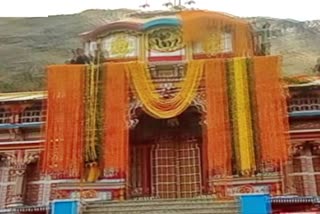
pixel 309 102
pixel 32 114
pixel 316 163
pixel 298 184
pixel 5 116
pixel 297 167
pixel 317 178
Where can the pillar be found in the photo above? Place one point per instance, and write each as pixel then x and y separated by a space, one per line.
pixel 18 161
pixel 16 196
pixel 309 183
pixel 288 178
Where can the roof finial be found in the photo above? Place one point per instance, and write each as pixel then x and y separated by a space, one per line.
pixel 145 5
pixel 178 5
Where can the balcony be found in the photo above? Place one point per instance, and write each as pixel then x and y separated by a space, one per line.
pixel 304 106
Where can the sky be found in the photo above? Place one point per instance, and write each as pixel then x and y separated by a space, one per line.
pixel 294 9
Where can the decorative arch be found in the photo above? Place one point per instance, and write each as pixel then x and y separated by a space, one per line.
pixel 161 22
pixel 121 25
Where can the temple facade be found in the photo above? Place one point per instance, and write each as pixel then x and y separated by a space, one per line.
pixel 166 109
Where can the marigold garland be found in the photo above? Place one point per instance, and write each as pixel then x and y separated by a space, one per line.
pixel 64 131
pixel 93 120
pixel 271 109
pixel 217 117
pixel 116 127
pixel 243 136
pixel 153 103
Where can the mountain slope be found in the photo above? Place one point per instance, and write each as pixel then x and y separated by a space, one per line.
pixel 28 44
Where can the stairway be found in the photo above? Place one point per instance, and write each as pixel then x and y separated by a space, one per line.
pixel 163 206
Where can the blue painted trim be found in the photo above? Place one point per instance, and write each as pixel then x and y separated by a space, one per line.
pixel 255 204
pixel 304 113
pixel 21 125
pixel 161 22
pixel 68 206
pixel 8 126
pixel 31 125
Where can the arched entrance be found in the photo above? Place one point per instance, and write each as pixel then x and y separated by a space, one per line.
pixel 165 156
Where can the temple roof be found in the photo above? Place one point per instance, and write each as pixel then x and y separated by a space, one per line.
pixel 302 81
pixel 145 20
pixel 22 96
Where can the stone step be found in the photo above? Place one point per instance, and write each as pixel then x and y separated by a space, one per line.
pixel 194 210
pixel 147 200
pixel 162 203
pixel 163 206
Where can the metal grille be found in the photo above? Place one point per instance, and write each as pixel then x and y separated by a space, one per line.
pixel 189 170
pixel 32 114
pixel 5 116
pixel 298 183
pixel 176 169
pixel 304 103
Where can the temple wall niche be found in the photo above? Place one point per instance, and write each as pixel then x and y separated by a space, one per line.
pixel 164 42
pixel 121 45
pixel 216 43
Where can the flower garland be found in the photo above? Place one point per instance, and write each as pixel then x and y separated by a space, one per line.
pixel 115 113
pixel 153 103
pixel 241 116
pixel 93 120
pixel 218 133
pixel 271 109
pixel 64 130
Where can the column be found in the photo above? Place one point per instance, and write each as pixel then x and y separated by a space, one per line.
pixel 4 183
pixel 288 178
pixel 309 182
pixel 16 195
pixel 18 161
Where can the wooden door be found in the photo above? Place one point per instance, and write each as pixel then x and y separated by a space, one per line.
pixel 176 168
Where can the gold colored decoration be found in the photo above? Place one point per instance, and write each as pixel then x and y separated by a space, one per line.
pixel 165 39
pixel 212 45
pixel 121 45
pixel 154 104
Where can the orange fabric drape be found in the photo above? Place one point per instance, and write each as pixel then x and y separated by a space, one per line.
pixel 271 108
pixel 116 109
pixel 218 124
pixel 64 126
pixel 197 25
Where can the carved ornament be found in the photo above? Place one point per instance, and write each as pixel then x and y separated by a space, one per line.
pixel 212 45
pixel 165 39
pixel 121 45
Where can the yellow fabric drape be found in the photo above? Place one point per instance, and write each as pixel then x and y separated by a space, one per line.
pixel 153 103
pixel 198 25
pixel 243 115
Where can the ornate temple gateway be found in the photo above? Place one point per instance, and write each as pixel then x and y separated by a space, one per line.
pixel 173 105
pixel 176 104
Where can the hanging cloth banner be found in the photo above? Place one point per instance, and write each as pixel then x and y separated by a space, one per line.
pixel 63 153
pixel 241 115
pixel 271 109
pixel 217 118
pixel 153 103
pixel 116 100
pixel 198 25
